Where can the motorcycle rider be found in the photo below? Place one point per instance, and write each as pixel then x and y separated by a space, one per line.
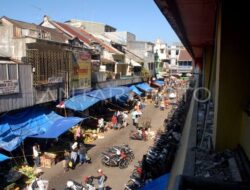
pixel 101 179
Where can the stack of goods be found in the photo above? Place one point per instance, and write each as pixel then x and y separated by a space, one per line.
pixel 47 160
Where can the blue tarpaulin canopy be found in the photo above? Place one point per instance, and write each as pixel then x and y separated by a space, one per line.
pixel 80 102
pixel 135 90
pixel 106 93
pixel 56 126
pixel 159 183
pixel 124 98
pixel 159 82
pixel 31 122
pixel 3 157
pixel 144 86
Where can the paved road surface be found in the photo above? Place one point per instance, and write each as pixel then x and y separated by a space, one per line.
pixel 116 177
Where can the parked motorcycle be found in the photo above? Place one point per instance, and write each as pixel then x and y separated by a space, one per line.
pixel 138 135
pixel 117 156
pixel 73 185
pixel 134 184
pixel 160 157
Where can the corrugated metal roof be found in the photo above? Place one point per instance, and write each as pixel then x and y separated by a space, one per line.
pixel 73 31
pixel 55 34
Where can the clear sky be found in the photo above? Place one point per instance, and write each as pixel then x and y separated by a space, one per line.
pixel 141 17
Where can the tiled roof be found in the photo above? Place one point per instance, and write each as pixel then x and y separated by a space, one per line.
pixel 106 46
pixel 55 34
pixel 184 55
pixel 85 36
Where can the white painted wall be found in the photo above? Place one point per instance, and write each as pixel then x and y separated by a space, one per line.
pixel 13 47
pixel 161 48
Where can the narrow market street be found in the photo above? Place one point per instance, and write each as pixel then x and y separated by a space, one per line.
pixel 117 178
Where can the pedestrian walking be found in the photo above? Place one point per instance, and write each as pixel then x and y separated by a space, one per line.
pixel 162 105
pixel 119 121
pixel 114 121
pixel 78 134
pixel 136 121
pixel 100 125
pixel 66 161
pixel 133 116
pixel 36 154
pixel 73 155
pixel 82 153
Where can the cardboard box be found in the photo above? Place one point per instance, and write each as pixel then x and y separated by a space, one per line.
pixel 46 161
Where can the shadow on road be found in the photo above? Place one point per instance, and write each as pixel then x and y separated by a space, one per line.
pixel 89 146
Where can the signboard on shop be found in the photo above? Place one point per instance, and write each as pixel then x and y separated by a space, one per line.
pixel 81 74
pixel 9 87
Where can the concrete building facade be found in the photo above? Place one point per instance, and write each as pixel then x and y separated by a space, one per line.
pixel 144 50
pixel 218 42
pixel 121 37
pixel 51 69
pixel 92 27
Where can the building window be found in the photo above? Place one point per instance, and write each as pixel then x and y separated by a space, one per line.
pixel 162 50
pixel 177 52
pixel 9 72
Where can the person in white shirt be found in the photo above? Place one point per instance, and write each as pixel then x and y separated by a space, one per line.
pixel 101 125
pixel 36 153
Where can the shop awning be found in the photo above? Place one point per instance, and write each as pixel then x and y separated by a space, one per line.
pixel 31 122
pixel 4 130
pixel 80 102
pixel 58 126
pixel 158 83
pixel 3 157
pixel 159 183
pixel 135 64
pixel 144 87
pixel 106 93
pixel 135 90
pixel 132 62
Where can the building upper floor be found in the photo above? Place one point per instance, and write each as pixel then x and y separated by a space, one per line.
pixel 92 27
pixel 161 49
pixel 122 37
